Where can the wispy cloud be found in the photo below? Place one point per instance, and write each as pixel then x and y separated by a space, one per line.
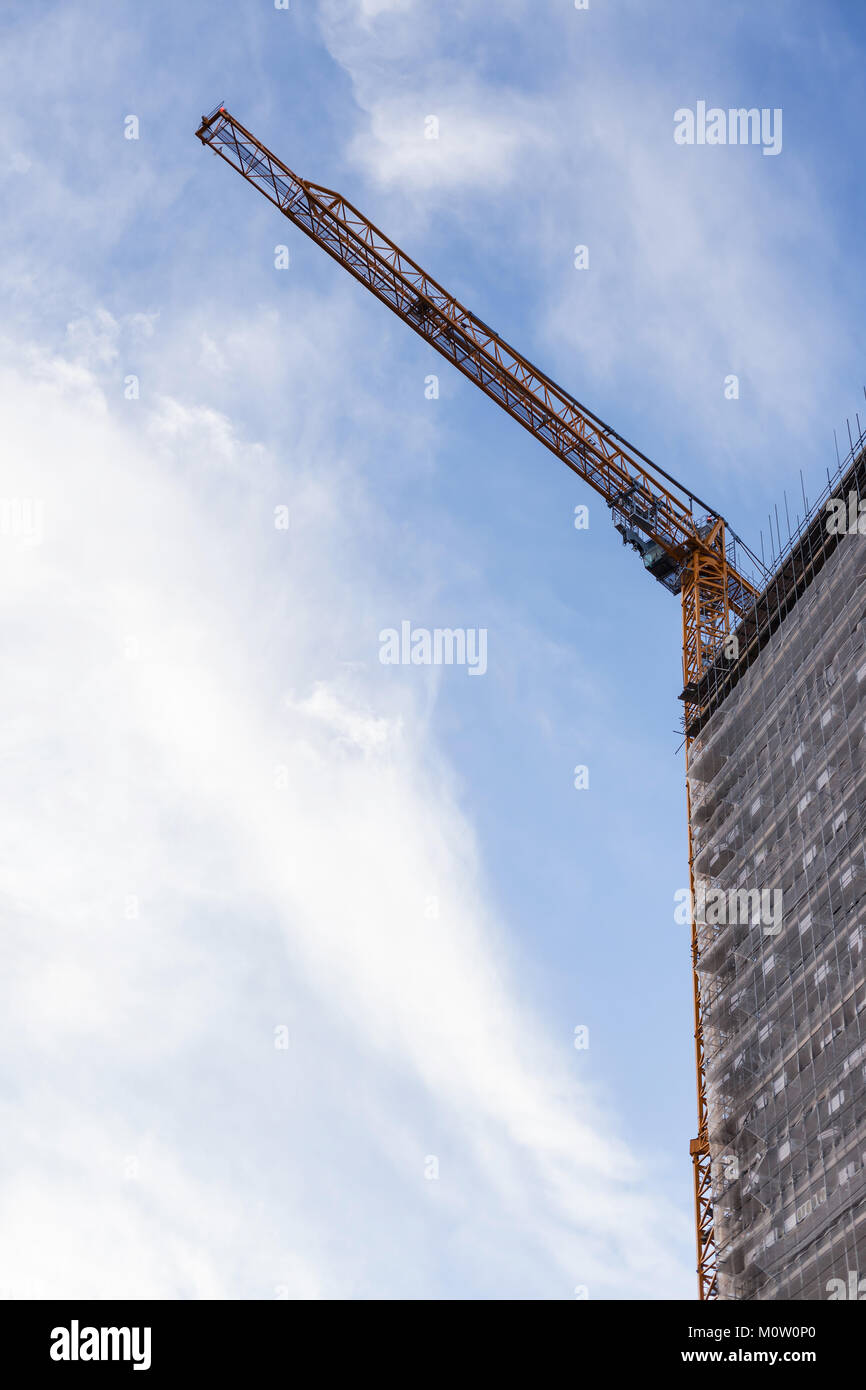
pixel 205 795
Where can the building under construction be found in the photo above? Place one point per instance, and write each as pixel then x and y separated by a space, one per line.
pixel 777 783
pixel 774 712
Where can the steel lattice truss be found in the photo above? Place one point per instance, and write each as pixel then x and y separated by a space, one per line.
pixel 655 503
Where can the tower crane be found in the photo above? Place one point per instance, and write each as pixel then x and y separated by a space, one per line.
pixel 686 545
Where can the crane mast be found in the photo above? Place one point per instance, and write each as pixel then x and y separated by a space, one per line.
pixel 684 544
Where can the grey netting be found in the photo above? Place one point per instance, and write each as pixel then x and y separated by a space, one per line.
pixel 778 785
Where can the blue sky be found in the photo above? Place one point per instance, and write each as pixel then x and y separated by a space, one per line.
pixel 227 816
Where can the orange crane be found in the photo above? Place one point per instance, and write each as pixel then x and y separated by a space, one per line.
pixel 684 544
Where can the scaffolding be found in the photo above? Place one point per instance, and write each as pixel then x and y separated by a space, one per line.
pixel 777 791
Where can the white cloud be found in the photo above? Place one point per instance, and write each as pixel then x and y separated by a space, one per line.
pixel 223 819
pixel 436 125
pixel 448 139
pixel 371 9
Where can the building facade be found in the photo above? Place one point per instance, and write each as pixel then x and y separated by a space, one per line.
pixel 777 774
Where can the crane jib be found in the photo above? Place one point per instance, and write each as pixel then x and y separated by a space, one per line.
pixel 661 524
